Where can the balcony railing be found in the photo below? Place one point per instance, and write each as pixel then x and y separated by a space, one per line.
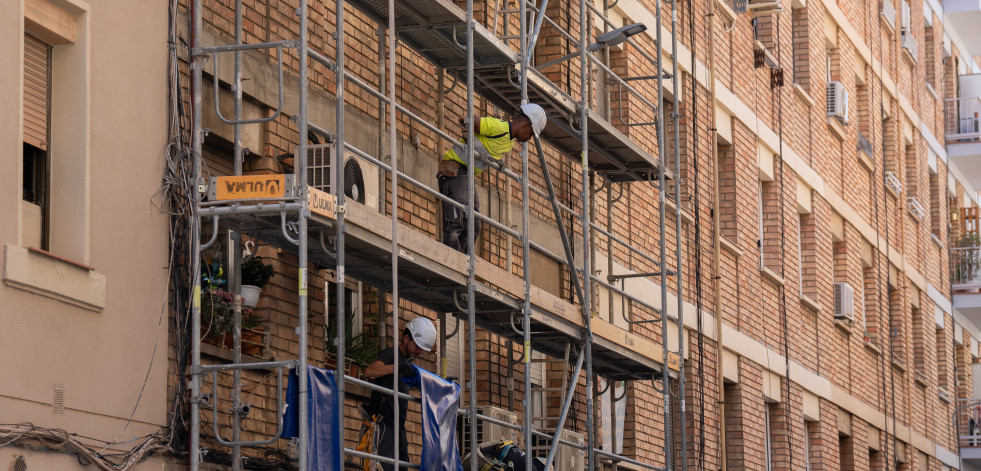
pixel 962 119
pixel 965 265
pixel 969 422
pixel 909 43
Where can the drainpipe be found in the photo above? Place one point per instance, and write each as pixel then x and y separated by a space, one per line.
pixel 717 236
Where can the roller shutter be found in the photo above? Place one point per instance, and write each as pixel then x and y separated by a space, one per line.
pixel 36 83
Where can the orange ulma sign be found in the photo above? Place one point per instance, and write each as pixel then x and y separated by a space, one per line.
pixel 250 187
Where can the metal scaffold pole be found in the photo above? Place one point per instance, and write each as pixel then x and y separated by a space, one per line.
pixel 394 161
pixel 339 244
pixel 587 308
pixel 301 177
pixel 471 242
pixel 662 208
pixel 679 261
pixel 524 54
pixel 197 136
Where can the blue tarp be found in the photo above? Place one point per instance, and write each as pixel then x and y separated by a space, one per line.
pixel 440 399
pixel 322 452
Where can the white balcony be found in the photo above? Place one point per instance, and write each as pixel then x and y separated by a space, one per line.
pixel 964 16
pixel 963 123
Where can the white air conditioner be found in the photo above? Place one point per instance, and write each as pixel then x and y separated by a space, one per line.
pixel 844 301
pixel 904 18
pixel 360 176
pixel 490 432
pixel 568 458
pixel 838 101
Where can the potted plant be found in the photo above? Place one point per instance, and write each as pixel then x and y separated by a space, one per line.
pixel 252 332
pixel 255 275
pixel 216 314
pixel 360 349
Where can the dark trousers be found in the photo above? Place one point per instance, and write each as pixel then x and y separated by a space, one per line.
pixel 455 219
pixel 386 444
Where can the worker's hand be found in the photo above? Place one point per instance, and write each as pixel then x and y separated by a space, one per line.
pixel 405 368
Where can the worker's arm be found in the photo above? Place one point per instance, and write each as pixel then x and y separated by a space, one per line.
pixel 378 369
pixel 476 126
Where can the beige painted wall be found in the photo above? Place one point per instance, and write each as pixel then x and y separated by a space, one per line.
pixel 100 356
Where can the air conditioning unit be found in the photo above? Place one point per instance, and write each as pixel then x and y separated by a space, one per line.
pixel 838 101
pixel 360 176
pixel 570 458
pixel 489 432
pixel 844 301
pixel 904 18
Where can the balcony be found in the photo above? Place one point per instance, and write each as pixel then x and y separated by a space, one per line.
pixel 909 43
pixel 962 119
pixel 963 131
pixel 964 16
pixel 968 424
pixel 965 274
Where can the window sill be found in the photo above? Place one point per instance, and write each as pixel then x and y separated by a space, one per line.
pixel 772 275
pixel 944 395
pixel 872 346
pixel 866 161
pixel 920 378
pixel 803 95
pixel 837 128
pixel 55 277
pixel 730 246
pixel 899 363
pixel 932 91
pixel 936 241
pixel 726 10
pixel 812 304
pixel 909 56
pixel 844 324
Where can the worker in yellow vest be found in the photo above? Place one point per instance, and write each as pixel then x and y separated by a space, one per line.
pixel 495 138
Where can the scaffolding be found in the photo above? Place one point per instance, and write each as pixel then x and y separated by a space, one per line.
pixel 327 229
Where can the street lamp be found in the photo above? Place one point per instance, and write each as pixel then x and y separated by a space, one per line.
pixel 608 39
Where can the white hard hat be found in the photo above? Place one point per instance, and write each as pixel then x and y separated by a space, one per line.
pixel 423 333
pixel 536 115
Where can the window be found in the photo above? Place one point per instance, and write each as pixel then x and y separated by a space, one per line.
pixel 896 325
pixel 768 432
pixel 798 25
pixel 56 115
pixel 37 83
pixel 870 319
pixel 937 211
pixel 846 452
pixel 808 256
pixel 912 173
pixel 944 368
pixel 769 226
pixel 919 341
pixel 811 433
pixel 727 192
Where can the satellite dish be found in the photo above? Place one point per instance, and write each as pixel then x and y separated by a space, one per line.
pixel 354 181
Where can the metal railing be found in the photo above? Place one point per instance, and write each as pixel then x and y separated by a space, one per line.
pixel 909 43
pixel 968 421
pixel 962 121
pixel 965 265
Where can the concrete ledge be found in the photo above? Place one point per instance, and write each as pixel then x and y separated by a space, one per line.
pixel 54 278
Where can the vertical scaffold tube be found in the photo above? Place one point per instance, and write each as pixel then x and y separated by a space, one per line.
pixel 587 308
pixel 339 229
pixel 301 182
pixel 661 208
pixel 197 135
pixel 471 242
pixel 235 263
pixel 675 82
pixel 525 51
pixel 394 161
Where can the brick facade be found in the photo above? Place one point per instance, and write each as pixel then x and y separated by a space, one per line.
pixel 768 274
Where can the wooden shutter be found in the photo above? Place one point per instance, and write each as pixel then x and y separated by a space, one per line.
pixel 36 81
